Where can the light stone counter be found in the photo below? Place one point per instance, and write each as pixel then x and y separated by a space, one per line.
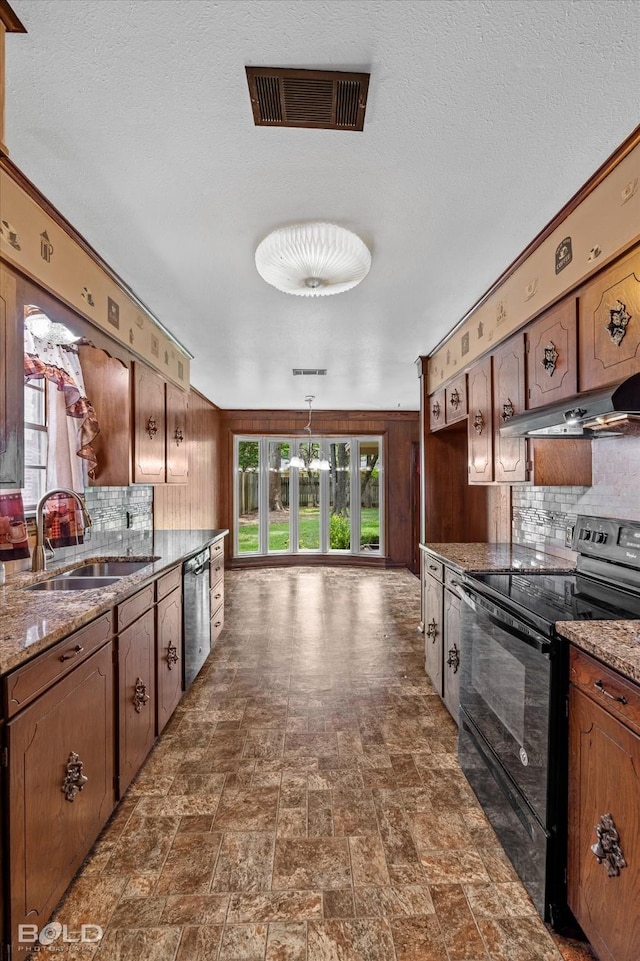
pixel 31 621
pixel 615 643
pixel 496 557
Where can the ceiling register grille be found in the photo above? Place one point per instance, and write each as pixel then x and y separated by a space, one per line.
pixel 309 371
pixel 324 99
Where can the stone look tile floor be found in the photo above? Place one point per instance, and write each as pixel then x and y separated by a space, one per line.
pixel 305 802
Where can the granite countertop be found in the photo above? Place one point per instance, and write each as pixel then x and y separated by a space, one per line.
pixel 497 557
pixel 32 621
pixel 615 643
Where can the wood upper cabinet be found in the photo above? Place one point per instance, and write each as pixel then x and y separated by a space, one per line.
pixel 609 325
pixel 552 355
pixel 11 384
pixel 480 425
pixel 456 400
pixel 604 797
pixel 437 402
pixel 149 440
pixel 510 453
pixel 136 696
pixel 60 787
pixel 177 403
pixel 107 384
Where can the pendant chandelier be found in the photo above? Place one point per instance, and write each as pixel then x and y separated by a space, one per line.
pixel 305 459
pixel 313 260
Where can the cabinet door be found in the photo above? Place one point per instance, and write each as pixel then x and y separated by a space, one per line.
pixel 456 400
pixel 63 737
pixel 451 654
pixel 510 453
pixel 480 428
pixel 149 426
pixel 437 409
pixel 136 700
pixel 107 383
pixel 552 355
pixel 11 385
pixel 604 780
pixel 177 448
pixel 169 656
pixel 609 333
pixel 433 631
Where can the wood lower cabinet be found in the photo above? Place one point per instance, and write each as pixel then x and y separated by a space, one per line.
pixel 480 424
pixel 60 787
pixel 603 872
pixel 609 324
pixel 168 655
pixel 136 696
pixel 216 589
pixel 433 624
pixel 451 653
pixel 11 384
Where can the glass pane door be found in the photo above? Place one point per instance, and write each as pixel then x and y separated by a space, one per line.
pixel 248 497
pixel 309 496
pixel 340 495
pixel 370 489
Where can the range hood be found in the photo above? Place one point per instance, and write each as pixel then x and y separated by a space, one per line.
pixel 607 412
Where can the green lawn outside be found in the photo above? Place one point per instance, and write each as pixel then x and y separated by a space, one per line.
pixel 309 532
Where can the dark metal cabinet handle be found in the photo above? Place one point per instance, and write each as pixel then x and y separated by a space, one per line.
pixel 607 848
pixel 140 695
pixel 550 357
pixel 599 686
pixel 152 428
pixel 78 649
pixel 178 436
pixel 435 410
pixel 454 400
pixel 217 623
pixel 433 567
pixel 74 779
pixel 454 658
pixel 478 422
pixel 217 597
pixel 507 410
pixel 432 629
pixel 172 655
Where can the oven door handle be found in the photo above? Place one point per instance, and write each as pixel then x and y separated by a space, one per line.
pixel 514 625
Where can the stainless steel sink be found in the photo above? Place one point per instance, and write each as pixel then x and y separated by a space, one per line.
pixel 107 569
pixel 65 583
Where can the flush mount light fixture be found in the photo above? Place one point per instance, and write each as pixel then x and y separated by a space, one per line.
pixel 313 260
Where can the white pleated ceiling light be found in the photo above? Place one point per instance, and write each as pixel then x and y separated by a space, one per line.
pixel 313 260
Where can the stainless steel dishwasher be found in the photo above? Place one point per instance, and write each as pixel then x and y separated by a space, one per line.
pixel 196 615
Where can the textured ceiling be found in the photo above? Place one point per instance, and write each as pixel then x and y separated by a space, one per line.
pixel 483 118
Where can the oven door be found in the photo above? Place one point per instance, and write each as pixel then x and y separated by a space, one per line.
pixel 506 692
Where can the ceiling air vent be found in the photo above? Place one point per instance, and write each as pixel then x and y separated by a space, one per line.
pixel 309 371
pixel 325 99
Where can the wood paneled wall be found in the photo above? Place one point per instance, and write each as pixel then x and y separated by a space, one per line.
pixel 197 505
pixel 400 431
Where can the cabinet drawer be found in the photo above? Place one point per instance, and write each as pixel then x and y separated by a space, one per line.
pixel 216 551
pixel 131 609
pixel 217 595
pixel 433 567
pixel 451 578
pixel 217 623
pixel 29 681
pixel 168 582
pixel 608 688
pixel 216 571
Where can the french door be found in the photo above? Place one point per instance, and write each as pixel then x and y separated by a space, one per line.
pixel 331 504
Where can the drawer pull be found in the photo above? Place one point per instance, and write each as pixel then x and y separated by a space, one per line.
pixel 599 686
pixel 74 779
pixel 172 655
pixel 432 629
pixel 78 649
pixel 140 695
pixel 217 623
pixel 433 567
pixel 217 597
pixel 607 849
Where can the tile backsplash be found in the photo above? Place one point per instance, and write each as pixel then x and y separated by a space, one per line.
pixel 540 515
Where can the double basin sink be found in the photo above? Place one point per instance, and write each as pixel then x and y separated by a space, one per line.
pixel 88 577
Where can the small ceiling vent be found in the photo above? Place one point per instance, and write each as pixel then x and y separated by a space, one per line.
pixel 324 99
pixel 309 371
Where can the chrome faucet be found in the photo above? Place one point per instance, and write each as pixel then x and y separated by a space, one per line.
pixel 38 562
